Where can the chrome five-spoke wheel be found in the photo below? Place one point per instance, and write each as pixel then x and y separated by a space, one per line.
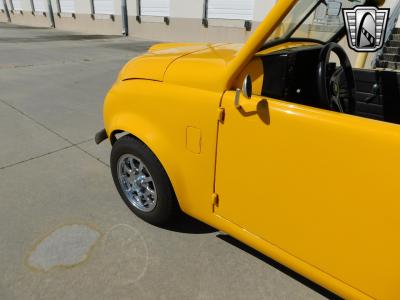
pixel 137 182
pixel 142 181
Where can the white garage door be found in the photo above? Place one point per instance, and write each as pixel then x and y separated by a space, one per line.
pixel 104 7
pixel 67 6
pixel 231 9
pixel 155 8
pixel 17 4
pixel 40 5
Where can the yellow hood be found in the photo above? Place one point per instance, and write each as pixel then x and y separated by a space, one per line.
pixel 195 65
pixel 155 62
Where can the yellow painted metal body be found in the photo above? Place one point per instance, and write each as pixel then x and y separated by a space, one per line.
pixel 314 189
pixel 318 185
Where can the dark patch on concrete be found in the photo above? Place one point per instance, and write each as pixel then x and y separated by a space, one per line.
pixel 15 26
pixel 82 37
pixel 67 246
pixel 132 46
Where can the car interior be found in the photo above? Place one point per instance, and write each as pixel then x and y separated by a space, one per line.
pixel 306 74
pixel 376 93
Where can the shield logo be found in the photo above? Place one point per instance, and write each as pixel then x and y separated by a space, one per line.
pixel 366 27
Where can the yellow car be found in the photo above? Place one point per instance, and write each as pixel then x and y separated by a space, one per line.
pixel 271 143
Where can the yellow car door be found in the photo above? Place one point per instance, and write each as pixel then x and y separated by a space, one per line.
pixel 321 186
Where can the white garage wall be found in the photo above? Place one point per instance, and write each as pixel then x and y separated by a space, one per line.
pixel 186 9
pixel 262 8
pixel 67 6
pixel 255 9
pixel 26 5
pixel 104 7
pixel 155 8
pixel 17 4
pixel 40 5
pixel 231 9
pixel 81 7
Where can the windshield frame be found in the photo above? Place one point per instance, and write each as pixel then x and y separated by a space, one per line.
pixel 288 36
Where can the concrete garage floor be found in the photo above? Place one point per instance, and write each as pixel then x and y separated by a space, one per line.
pixel 64 231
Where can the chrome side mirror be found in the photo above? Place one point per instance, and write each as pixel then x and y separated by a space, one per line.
pixel 247 91
pixel 247 88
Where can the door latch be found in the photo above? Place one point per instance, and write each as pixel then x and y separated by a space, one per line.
pixel 215 201
pixel 221 115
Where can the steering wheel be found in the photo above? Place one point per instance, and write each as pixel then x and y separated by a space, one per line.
pixel 331 93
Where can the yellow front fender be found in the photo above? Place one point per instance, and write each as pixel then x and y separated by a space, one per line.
pixel 183 138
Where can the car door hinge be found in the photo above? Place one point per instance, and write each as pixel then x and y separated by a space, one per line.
pixel 215 201
pixel 221 115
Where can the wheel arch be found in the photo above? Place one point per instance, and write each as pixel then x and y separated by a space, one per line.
pixel 160 120
pixel 152 136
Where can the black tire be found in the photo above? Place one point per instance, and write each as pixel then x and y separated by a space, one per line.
pixel 166 206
